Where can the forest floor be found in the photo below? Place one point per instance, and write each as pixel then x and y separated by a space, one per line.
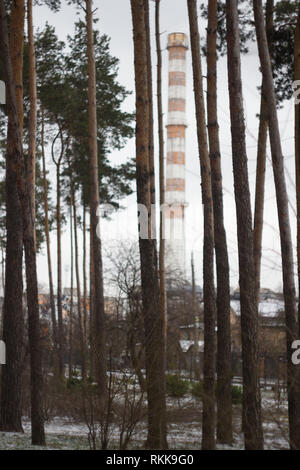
pixel 184 431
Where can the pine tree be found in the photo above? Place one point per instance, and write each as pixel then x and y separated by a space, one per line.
pixel 297 147
pixel 13 317
pixel 208 420
pixel 252 425
pixel 60 333
pixel 47 234
pixel 98 304
pixel 148 255
pixel 162 275
pixel 261 161
pixel 15 155
pixel 162 279
pixel 224 369
pixel 32 123
pixel 293 383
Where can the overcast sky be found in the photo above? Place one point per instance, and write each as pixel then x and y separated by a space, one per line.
pixel 115 21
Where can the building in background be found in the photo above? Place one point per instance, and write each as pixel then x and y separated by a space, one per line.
pixel 174 222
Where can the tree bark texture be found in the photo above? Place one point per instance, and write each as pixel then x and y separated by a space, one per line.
pixel 15 155
pixel 208 420
pixel 148 255
pixel 32 123
pixel 293 375
pixel 13 314
pixel 261 162
pixel 98 303
pixel 249 314
pixel 224 368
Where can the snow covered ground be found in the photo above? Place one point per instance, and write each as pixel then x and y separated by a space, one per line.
pixel 184 430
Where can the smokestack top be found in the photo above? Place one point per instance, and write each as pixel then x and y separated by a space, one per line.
pixel 177 39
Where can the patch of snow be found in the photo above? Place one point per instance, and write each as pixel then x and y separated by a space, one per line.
pixel 186 344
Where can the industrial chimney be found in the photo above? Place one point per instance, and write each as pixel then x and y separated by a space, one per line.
pixel 175 168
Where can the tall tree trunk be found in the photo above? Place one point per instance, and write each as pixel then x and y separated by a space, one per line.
pixel 71 300
pixel 59 274
pixel 92 308
pixel 15 155
pixel 32 123
pixel 150 95
pixel 49 261
pixel 136 357
pixel 249 315
pixel 98 304
pixel 152 220
pixel 79 304
pixel 85 320
pixel 208 420
pixel 196 322
pixel 289 293
pixel 148 255
pixel 13 316
pixel 297 147
pixel 162 274
pixel 163 342
pixel 260 190
pixel 261 162
pixel 2 273
pixel 162 245
pixel 224 369
pixel 60 334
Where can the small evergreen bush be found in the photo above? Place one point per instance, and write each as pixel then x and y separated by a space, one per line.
pixel 237 394
pixel 176 387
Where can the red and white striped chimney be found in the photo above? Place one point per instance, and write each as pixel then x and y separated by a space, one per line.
pixel 175 168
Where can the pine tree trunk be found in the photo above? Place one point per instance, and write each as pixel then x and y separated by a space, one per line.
pixel 249 315
pixel 260 190
pixel 15 155
pixel 98 303
pixel 196 323
pixel 79 304
pixel 289 293
pixel 208 420
pixel 148 255
pixel 261 162
pixel 59 274
pixel 60 333
pixel 13 316
pixel 32 123
pixel 224 368
pixel 150 96
pixel 85 320
pixel 92 308
pixel 47 233
pixel 162 280
pixel 71 300
pixel 297 148
pixel 162 274
pixel 2 274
